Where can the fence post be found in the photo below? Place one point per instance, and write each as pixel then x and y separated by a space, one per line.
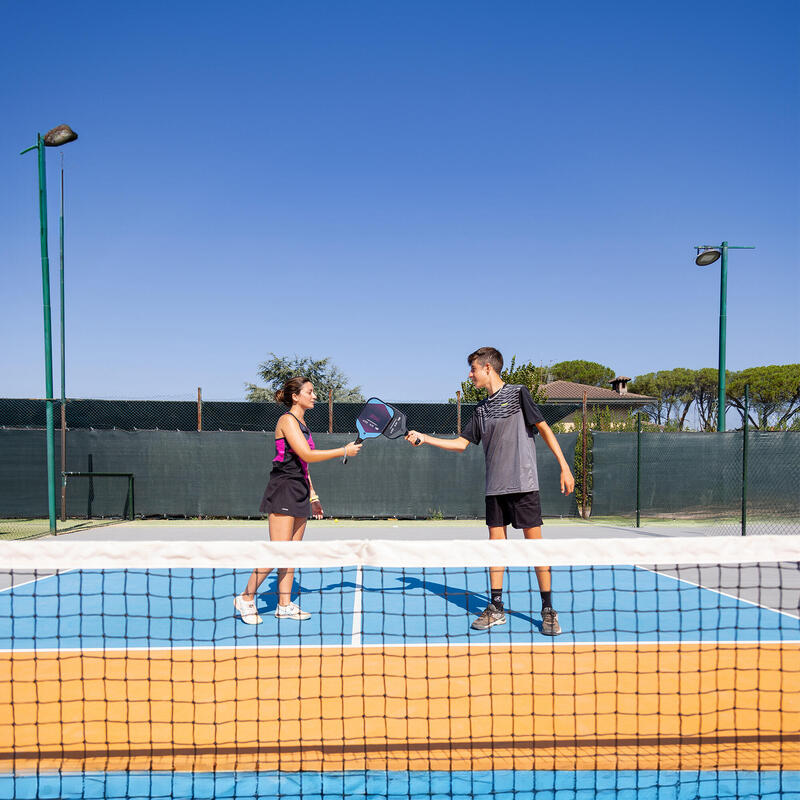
pixel 638 469
pixel 199 408
pixel 583 460
pixel 458 411
pixel 330 410
pixel 745 429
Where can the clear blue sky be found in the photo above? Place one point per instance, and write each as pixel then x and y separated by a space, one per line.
pixel 396 184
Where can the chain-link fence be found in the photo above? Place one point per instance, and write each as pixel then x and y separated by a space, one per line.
pixel 213 415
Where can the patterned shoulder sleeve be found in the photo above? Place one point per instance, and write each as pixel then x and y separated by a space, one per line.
pixel 531 412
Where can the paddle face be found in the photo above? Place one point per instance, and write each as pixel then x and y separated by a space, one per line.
pixel 398 425
pixel 373 419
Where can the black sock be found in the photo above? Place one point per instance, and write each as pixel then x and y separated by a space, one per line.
pixel 547 601
pixel 497 599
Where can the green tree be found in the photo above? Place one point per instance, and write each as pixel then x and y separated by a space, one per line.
pixel 774 395
pixel 704 392
pixel 589 373
pixel 325 376
pixel 673 390
pixel 525 375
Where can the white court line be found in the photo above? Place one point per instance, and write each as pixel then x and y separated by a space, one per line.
pixel 357 606
pixel 720 593
pixel 626 644
pixel 37 579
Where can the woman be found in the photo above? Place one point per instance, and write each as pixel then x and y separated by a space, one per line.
pixel 289 498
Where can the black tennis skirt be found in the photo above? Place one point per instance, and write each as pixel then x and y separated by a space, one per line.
pixel 286 494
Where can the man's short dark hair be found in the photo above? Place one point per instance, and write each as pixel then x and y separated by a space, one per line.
pixel 487 355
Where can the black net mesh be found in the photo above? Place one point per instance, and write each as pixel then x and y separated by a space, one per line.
pixel 127 671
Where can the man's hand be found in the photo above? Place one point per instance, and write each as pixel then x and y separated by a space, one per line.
pixel 567 481
pixel 416 439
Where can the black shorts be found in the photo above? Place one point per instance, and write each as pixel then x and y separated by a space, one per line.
pixel 287 495
pixel 520 510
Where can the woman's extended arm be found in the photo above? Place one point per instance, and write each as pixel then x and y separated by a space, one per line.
pixel 293 435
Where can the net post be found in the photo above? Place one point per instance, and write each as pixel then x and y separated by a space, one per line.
pixel 638 470
pixel 199 408
pixel 330 410
pixel 458 411
pixel 745 429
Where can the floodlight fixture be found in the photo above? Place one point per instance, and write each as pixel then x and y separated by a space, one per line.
pixel 707 256
pixel 61 134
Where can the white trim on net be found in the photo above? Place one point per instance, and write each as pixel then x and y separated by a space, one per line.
pixel 59 555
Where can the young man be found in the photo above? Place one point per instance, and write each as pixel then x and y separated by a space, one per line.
pixel 505 423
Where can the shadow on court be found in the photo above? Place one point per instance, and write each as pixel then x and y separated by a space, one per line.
pixel 466 601
pixel 472 602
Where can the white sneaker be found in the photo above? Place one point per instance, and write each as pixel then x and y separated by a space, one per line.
pixel 292 611
pixel 247 609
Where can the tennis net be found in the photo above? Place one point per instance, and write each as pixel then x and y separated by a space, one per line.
pixel 126 673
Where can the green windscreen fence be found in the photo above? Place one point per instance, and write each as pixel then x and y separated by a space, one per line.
pixel 697 474
pixel 701 476
pixel 224 473
pixel 773 468
pixel 682 476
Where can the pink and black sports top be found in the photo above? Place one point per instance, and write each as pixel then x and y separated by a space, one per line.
pixel 286 461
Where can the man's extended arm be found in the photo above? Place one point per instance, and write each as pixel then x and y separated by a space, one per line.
pixel 457 445
pixel 567 481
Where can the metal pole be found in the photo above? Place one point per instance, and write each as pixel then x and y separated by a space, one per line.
pixel 745 430
pixel 61 280
pixel 330 410
pixel 199 408
pixel 48 337
pixel 583 462
pixel 458 411
pixel 638 470
pixel 63 462
pixel 723 318
pixel 63 360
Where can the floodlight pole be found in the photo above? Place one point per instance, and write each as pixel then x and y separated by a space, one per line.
pixel 53 138
pixel 63 346
pixel 723 324
pixel 48 336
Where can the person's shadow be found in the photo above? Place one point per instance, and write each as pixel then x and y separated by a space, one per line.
pixel 268 597
pixel 472 603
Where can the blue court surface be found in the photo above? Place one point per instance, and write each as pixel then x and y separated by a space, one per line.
pixel 499 784
pixel 107 609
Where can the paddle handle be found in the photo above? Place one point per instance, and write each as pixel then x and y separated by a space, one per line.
pixel 357 441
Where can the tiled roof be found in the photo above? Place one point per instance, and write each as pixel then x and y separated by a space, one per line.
pixel 566 390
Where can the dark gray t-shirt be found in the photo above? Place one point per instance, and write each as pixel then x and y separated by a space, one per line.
pixel 505 423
